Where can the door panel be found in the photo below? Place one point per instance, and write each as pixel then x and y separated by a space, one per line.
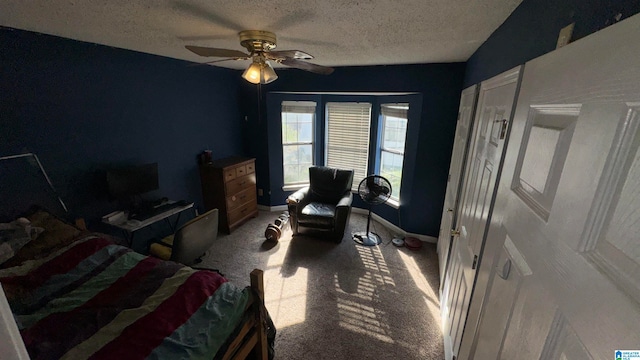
pixel 495 103
pixel 568 200
pixel 616 217
pixel 458 157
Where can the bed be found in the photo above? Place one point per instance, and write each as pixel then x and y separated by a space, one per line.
pixel 76 294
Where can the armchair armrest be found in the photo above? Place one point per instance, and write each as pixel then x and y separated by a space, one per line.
pixel 343 212
pixel 298 196
pixel 295 203
pixel 346 200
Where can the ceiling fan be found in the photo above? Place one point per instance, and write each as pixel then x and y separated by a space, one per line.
pixel 260 45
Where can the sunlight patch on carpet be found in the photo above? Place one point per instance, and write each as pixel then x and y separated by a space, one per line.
pixel 276 260
pixel 430 297
pixel 363 319
pixel 373 260
pixel 287 297
pixel 357 302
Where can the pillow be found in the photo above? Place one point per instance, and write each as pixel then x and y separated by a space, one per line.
pixel 56 234
pixel 14 236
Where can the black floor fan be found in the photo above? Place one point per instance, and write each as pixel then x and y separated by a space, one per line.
pixel 374 190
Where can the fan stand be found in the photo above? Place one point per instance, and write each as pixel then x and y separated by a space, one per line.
pixel 367 238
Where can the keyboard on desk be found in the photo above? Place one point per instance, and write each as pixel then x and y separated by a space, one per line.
pixel 151 212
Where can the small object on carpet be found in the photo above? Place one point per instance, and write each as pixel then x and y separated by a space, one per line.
pixel 274 231
pixel 412 243
pixel 367 238
pixel 397 241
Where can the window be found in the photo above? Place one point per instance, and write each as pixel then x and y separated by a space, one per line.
pixel 394 134
pixel 367 133
pixel 297 140
pixel 347 141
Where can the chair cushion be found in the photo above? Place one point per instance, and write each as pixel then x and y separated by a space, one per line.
pixel 329 185
pixel 316 213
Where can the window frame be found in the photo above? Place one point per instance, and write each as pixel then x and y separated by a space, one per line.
pixel 312 142
pixel 396 192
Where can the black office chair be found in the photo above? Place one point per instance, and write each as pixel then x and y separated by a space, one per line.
pixel 191 240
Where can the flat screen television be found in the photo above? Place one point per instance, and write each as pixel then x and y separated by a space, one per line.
pixel 127 182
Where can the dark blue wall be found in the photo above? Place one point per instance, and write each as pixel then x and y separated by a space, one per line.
pixel 83 108
pixel 532 30
pixel 439 85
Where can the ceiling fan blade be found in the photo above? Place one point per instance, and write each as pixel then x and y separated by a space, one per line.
pixel 293 54
pixel 302 65
pixel 217 61
pixel 207 51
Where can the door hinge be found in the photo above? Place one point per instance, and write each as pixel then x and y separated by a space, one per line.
pixel 475 262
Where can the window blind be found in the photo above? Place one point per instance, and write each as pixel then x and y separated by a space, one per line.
pixel 348 129
pixel 300 107
pixel 395 110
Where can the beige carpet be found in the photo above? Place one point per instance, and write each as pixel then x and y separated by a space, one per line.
pixel 339 301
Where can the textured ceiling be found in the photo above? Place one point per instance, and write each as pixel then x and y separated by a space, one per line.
pixel 337 33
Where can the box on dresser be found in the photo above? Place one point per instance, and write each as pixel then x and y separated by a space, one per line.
pixel 229 185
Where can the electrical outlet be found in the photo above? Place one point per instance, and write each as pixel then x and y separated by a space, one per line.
pixel 260 192
pixel 565 35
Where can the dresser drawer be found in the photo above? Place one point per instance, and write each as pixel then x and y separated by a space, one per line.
pixel 251 168
pixel 229 174
pixel 248 209
pixel 241 171
pixel 238 184
pixel 246 195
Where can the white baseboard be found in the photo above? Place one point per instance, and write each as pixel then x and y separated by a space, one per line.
pixel 394 228
pixel 390 226
pixel 278 208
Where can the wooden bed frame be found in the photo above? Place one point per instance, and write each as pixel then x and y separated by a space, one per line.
pixel 251 341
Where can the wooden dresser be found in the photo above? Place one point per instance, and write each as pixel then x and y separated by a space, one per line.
pixel 229 185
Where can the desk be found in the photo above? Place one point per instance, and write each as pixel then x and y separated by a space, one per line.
pixel 129 227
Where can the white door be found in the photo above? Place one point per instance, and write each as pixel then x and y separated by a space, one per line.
pixel 458 156
pixel 495 102
pixel 563 250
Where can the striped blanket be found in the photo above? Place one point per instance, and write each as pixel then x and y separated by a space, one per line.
pixel 95 299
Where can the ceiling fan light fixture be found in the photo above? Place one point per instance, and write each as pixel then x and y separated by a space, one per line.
pixel 252 74
pixel 260 72
pixel 268 73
